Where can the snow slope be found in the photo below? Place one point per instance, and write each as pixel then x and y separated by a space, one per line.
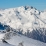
pixel 4 44
pixel 16 39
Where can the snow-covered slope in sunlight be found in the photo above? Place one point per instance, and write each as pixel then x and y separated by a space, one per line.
pixel 24 17
pixel 16 39
pixel 1 36
pixel 25 41
pixel 5 44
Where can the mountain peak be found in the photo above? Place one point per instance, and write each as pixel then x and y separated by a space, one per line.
pixel 21 17
pixel 28 7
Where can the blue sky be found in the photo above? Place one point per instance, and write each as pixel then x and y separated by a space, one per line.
pixel 39 4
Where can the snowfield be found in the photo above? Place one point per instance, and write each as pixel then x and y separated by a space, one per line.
pixel 18 39
pixel 26 41
pixel 4 44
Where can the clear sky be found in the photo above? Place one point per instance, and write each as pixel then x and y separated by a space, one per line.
pixel 38 4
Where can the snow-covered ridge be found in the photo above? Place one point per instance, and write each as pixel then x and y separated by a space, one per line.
pixel 24 17
pixel 13 38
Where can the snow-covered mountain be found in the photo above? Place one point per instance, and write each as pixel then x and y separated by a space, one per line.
pixel 25 20
pixel 24 17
